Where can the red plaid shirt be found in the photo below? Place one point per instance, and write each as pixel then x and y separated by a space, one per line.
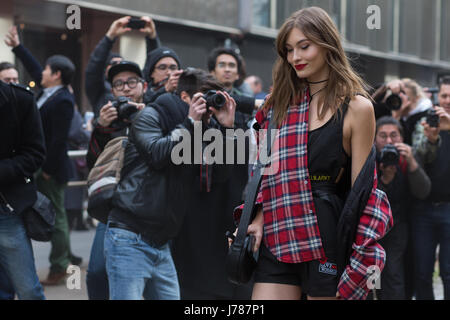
pixel 291 230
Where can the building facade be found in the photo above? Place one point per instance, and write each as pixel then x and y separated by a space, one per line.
pixel 411 37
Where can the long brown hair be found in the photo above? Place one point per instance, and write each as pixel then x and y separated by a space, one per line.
pixel 343 82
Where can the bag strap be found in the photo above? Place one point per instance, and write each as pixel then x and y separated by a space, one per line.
pixel 252 191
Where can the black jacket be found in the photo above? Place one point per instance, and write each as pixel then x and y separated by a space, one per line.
pixel 22 151
pixel 98 90
pixel 56 115
pixel 151 194
pixel 439 171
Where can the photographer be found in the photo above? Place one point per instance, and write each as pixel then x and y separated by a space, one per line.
pixel 401 178
pixel 162 72
pixel 151 199
pixel 431 221
pixel 226 65
pixel 126 82
pixel 199 250
pixel 404 100
pixel 98 89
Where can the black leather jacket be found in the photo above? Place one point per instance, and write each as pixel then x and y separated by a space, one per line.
pixel 151 196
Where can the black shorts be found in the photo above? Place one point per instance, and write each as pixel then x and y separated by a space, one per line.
pixel 315 278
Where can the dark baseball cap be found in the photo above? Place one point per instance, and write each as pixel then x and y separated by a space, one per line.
pixel 123 66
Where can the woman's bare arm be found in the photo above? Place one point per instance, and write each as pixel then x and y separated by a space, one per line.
pixel 362 123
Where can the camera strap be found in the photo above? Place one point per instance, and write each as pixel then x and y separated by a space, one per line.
pixel 252 191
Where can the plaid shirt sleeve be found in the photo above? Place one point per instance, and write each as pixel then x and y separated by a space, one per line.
pixel 374 223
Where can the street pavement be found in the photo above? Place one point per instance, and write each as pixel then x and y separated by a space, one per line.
pixel 75 289
pixel 81 242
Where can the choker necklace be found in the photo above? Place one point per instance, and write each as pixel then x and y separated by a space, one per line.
pixel 312 96
pixel 316 82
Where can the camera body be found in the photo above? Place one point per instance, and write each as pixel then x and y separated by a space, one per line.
pixel 214 99
pixel 124 108
pixel 432 118
pixel 136 23
pixel 389 155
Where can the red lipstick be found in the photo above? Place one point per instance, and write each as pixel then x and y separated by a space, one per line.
pixel 300 66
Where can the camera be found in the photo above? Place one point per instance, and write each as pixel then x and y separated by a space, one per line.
pixel 124 108
pixel 434 95
pixel 393 102
pixel 389 155
pixel 135 23
pixel 214 99
pixel 432 118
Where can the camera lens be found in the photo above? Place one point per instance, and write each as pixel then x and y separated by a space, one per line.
pixel 214 99
pixel 218 101
pixel 394 102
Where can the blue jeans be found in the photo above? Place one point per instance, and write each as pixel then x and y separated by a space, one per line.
pixel 138 270
pixel 6 287
pixel 96 278
pixel 430 227
pixel 16 258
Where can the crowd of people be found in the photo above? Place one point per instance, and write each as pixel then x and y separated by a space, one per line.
pixel 371 161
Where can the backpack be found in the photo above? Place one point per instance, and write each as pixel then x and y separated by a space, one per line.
pixel 104 178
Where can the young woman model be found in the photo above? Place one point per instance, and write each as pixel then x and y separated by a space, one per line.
pixel 326 131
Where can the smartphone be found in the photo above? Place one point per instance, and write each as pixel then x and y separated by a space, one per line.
pixel 136 23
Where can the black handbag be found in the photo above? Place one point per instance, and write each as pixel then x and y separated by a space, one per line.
pixel 39 219
pixel 241 259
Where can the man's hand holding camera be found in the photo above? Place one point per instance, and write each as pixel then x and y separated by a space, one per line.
pixel 108 113
pixel 432 131
pixel 197 107
pixel 406 151
pixel 225 115
pixel 444 119
pixel 390 156
pixel 118 28
pixel 149 29
pixel 198 110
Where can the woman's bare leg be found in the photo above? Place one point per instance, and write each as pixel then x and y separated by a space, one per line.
pixel 276 291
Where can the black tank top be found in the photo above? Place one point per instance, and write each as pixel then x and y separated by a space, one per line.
pixel 328 162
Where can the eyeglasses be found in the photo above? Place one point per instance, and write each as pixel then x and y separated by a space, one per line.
pixel 164 67
pixel 230 65
pixel 131 82
pixel 394 136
